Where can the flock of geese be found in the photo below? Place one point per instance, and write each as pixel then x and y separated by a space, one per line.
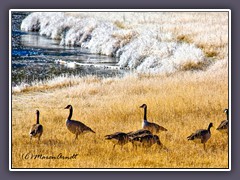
pixel 144 137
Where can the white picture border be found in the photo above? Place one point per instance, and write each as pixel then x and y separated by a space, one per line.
pixel 120 169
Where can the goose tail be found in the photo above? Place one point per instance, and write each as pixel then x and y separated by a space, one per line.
pixel 163 129
pixel 92 130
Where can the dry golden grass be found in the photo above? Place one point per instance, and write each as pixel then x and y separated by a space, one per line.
pixel 182 103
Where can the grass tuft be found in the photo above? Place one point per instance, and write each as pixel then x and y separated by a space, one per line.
pixel 192 66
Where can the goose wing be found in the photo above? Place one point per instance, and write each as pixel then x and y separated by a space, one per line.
pixel 36 129
pixel 139 132
pixel 80 126
pixel 198 134
pixel 157 127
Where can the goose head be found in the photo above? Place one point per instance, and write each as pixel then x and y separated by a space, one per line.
pixel 156 137
pixel 37 112
pixel 143 106
pixel 210 125
pixel 68 107
pixel 226 111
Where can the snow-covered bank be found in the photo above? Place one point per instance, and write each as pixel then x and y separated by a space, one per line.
pixel 144 44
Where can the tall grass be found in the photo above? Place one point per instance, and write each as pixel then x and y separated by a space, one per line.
pixel 182 103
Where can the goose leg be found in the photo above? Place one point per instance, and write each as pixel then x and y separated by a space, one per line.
pixel 39 138
pixel 204 146
pixel 133 146
pixel 145 148
pixel 114 146
pixel 164 148
pixel 76 137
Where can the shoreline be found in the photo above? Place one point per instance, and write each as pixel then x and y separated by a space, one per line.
pixel 221 67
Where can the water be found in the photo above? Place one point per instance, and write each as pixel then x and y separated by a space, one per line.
pixel 34 57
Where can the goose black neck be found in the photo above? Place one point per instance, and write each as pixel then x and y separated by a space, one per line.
pixel 145 113
pixel 209 127
pixel 227 114
pixel 37 118
pixel 70 113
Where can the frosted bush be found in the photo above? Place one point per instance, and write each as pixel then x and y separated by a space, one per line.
pixel 133 53
pixel 102 41
pixel 162 57
pixel 186 53
pixel 79 32
pixel 20 87
pixel 156 65
pixel 31 22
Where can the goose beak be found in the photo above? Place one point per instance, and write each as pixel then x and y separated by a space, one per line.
pixel 143 106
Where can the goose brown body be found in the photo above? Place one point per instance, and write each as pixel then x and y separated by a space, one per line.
pixel 153 127
pixel 76 127
pixel 118 138
pixel 201 135
pixel 145 140
pixel 37 129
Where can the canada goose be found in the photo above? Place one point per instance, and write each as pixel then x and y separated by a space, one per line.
pixel 118 138
pixel 76 127
pixel 36 129
pixel 145 140
pixel 201 135
pixel 153 127
pixel 223 127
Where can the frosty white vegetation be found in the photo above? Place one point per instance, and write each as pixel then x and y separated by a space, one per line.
pixel 152 42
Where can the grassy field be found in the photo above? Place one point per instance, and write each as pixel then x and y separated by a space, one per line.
pixel 182 103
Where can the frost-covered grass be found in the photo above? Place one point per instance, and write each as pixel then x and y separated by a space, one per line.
pixel 150 42
pixel 182 102
pixel 54 83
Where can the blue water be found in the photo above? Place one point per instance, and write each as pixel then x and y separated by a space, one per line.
pixel 33 57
